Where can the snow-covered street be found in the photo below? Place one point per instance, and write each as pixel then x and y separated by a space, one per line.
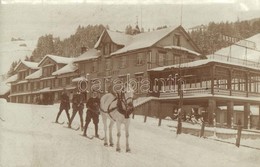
pixel 29 138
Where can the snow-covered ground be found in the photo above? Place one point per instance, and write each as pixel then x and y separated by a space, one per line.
pixel 28 138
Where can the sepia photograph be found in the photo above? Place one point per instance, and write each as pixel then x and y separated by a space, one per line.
pixel 129 83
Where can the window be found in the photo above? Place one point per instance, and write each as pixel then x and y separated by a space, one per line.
pixel 63 81
pixel 162 61
pixel 82 68
pixel 177 59
pixel 94 67
pixel 108 64
pixel 122 62
pixel 177 40
pixel 106 49
pixel 140 59
pixel 149 63
pixel 68 80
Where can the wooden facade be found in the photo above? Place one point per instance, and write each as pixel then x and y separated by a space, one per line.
pixel 121 54
pixel 39 85
pixel 210 84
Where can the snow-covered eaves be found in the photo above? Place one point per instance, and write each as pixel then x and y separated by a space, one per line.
pixel 199 63
pixel 145 40
pixel 29 64
pixel 141 100
pixel 13 78
pixel 89 55
pixel 57 59
pixel 79 79
pixel 182 48
pixel 239 52
pixel 44 90
pixel 66 69
pixel 35 75
pixel 23 81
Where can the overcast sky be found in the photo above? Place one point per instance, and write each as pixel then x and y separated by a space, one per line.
pixel 30 19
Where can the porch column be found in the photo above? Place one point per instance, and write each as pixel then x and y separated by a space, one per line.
pixel 246 115
pixel 259 118
pixel 211 110
pixel 230 110
pixel 212 79
pixel 246 83
pixel 229 82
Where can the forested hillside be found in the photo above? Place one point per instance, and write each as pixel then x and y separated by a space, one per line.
pixel 207 39
pixel 69 47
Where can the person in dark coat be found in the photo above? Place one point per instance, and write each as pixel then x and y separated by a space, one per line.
pixel 93 105
pixel 64 105
pixel 77 106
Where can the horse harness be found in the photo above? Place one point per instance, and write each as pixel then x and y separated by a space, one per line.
pixel 120 99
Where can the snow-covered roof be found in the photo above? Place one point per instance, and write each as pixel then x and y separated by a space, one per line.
pixel 182 48
pixel 79 79
pixel 12 78
pixel 66 69
pixel 29 64
pixel 144 40
pixel 199 63
pixel 118 38
pixel 57 59
pixel 35 75
pixel 254 110
pixel 236 51
pixel 90 54
pixel 141 100
pixel 4 88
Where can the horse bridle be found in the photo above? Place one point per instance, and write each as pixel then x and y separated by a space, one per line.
pixel 120 98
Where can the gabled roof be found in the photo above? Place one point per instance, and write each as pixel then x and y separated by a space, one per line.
pixel 118 38
pixel 29 64
pixel 66 69
pixel 90 54
pixel 144 40
pixel 35 75
pixel 57 59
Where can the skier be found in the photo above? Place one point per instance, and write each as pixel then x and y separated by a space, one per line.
pixel 77 106
pixel 64 105
pixel 93 105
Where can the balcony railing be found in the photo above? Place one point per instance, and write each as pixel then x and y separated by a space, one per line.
pixel 203 91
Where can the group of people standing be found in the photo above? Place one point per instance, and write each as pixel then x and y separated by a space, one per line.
pixel 78 102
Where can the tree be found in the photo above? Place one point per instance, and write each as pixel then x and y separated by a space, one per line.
pixel 11 70
pixel 129 30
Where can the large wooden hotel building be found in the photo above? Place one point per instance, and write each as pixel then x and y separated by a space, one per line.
pixel 207 84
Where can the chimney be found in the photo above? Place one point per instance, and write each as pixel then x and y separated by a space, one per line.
pixel 83 49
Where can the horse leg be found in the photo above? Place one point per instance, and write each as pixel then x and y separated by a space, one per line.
pixel 110 133
pixel 127 136
pixel 118 125
pixel 105 129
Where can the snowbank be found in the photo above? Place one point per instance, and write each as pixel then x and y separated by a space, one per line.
pixel 28 138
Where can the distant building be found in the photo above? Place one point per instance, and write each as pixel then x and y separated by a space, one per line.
pixel 198 28
pixel 42 82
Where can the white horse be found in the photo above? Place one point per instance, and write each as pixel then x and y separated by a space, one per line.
pixel 117 108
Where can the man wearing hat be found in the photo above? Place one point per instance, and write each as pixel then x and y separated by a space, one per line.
pixel 77 106
pixel 92 105
pixel 64 105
